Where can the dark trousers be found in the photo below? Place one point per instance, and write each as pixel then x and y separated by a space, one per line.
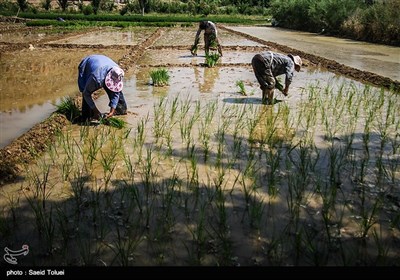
pixel 263 72
pixel 211 41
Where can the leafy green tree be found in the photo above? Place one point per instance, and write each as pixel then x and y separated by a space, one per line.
pixel 46 4
pixel 96 6
pixel 63 4
pixel 144 6
pixel 107 5
pixel 23 5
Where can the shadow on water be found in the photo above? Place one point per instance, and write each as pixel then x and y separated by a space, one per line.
pixel 249 100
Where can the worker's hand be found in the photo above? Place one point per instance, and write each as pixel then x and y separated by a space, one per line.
pixel 285 91
pixel 109 115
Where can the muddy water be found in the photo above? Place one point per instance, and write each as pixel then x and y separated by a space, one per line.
pixel 379 59
pixel 45 75
pixel 27 36
pixel 186 36
pixel 171 57
pixel 126 37
pixel 209 84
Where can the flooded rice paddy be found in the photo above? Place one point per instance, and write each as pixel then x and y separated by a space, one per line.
pixel 204 174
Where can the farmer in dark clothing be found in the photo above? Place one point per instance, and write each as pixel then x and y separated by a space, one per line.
pixel 268 65
pixel 99 71
pixel 210 37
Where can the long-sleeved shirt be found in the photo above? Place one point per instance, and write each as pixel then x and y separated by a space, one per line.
pixel 281 64
pixel 93 70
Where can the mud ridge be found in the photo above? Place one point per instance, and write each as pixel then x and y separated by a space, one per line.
pixel 26 147
pixel 331 65
pixel 136 52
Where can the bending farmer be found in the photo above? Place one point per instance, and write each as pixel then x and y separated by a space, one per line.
pixel 210 38
pixel 99 71
pixel 268 65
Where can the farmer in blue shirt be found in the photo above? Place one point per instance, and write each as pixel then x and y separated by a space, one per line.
pixel 268 65
pixel 99 71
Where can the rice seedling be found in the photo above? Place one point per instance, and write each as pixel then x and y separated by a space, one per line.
pixel 12 205
pixel 368 213
pixel 273 157
pixel 160 120
pixel 160 77
pixel 63 227
pixel 199 235
pixel 68 108
pixel 256 210
pixel 125 246
pixel 282 181
pixel 382 246
pixel 314 249
pixel 89 250
pixel 242 89
pixel 37 201
pixel 108 162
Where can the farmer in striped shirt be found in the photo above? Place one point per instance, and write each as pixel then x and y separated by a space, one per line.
pixel 268 65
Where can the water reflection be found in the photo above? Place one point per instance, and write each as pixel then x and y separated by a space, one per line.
pixel 206 77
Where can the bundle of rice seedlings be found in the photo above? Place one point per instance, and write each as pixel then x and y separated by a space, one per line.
pixel 114 122
pixel 68 108
pixel 278 85
pixel 212 59
pixel 160 77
